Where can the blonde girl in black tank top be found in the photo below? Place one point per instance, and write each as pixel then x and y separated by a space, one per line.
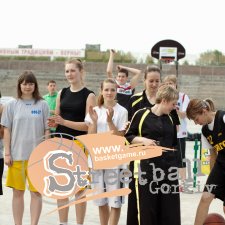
pixel 72 104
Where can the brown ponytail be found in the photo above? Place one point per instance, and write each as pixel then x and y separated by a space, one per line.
pixel 196 106
pixel 100 100
pixel 210 104
pixel 79 64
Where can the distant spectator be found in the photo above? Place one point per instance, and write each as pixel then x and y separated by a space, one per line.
pixel 181 107
pixel 51 96
pixel 125 88
pixel 51 99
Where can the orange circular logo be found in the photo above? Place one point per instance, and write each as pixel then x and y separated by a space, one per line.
pixel 58 168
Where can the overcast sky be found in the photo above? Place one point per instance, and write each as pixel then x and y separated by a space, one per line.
pixel 129 25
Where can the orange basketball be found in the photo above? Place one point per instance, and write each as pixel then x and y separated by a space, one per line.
pixel 214 219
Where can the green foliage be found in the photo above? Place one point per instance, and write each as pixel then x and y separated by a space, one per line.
pixel 211 58
pixel 94 56
pixel 59 59
pixel 120 57
pixel 149 60
pixel 5 57
pixel 185 63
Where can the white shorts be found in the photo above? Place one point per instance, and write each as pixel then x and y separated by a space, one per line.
pixel 110 183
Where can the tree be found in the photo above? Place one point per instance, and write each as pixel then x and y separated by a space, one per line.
pixel 120 57
pixel 185 63
pixel 149 60
pixel 128 58
pixel 212 58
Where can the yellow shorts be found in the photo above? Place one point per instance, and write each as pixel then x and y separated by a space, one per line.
pixel 17 176
pixel 82 146
pixel 86 153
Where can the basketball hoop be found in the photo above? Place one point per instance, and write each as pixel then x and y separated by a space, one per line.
pixel 168 52
pixel 167 60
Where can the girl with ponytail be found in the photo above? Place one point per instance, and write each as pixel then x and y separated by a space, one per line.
pixel 203 112
pixel 107 116
pixel 72 105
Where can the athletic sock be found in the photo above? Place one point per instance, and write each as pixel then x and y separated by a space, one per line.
pixel 63 223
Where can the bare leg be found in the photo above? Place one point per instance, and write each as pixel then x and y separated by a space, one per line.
pixel 182 172
pixel 18 206
pixel 35 207
pixel 63 213
pixel 104 214
pixel 114 216
pixel 80 212
pixel 80 208
pixel 203 208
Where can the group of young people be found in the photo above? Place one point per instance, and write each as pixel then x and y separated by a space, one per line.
pixel 156 117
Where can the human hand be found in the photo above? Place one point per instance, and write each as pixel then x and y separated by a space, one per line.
pixel 112 51
pixel 51 123
pixel 8 160
pixel 119 67
pixel 148 142
pixel 57 120
pixel 93 114
pixel 110 113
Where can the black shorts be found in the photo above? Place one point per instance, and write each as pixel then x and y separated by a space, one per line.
pixel 1 173
pixel 215 183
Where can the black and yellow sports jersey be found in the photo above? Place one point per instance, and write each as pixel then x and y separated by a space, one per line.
pixel 160 128
pixel 216 180
pixel 140 101
pixel 145 206
pixel 216 137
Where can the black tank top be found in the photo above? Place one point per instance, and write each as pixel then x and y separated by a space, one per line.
pixel 73 108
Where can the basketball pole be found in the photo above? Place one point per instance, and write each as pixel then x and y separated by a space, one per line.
pixel 195 168
pixel 176 63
